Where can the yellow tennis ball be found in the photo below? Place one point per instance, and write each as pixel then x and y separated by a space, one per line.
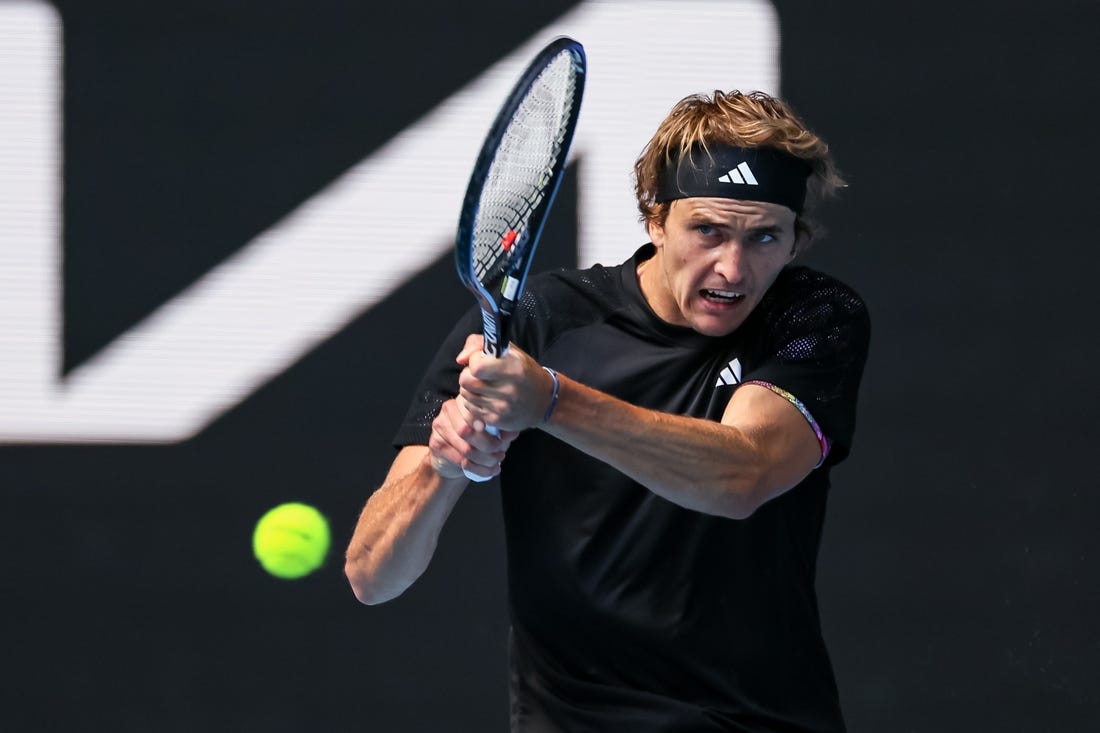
pixel 291 540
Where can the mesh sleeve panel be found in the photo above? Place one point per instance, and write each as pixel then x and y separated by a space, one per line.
pixel 439 383
pixel 816 333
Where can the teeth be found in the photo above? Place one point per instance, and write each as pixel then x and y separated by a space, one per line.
pixel 723 294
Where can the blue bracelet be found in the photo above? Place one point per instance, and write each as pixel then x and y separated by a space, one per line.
pixel 553 395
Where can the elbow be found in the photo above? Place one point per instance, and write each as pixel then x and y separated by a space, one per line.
pixel 744 494
pixel 737 506
pixel 728 500
pixel 366 590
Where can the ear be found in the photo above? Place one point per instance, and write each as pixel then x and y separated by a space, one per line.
pixel 801 240
pixel 656 233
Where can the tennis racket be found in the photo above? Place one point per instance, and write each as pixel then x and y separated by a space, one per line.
pixel 513 185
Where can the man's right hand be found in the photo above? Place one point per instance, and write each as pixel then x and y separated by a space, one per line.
pixel 460 446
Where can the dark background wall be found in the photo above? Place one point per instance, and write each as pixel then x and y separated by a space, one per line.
pixel 958 574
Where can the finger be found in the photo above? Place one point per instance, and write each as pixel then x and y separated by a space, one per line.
pixel 472 383
pixel 492 370
pixel 486 416
pixel 468 419
pixel 465 410
pixel 484 437
pixel 469 442
pixel 482 366
pixel 449 458
pixel 475 343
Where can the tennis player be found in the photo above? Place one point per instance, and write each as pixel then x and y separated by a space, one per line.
pixel 669 425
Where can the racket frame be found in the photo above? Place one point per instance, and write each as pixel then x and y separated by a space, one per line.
pixel 497 308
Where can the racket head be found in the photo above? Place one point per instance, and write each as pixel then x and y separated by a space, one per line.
pixel 514 182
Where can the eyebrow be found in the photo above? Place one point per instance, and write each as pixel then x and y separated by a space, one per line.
pixel 706 217
pixel 767 229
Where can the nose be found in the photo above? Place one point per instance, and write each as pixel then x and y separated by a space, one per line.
pixel 730 263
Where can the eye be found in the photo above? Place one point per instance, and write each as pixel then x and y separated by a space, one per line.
pixel 762 238
pixel 705 229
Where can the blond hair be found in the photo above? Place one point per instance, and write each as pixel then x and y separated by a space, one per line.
pixel 748 120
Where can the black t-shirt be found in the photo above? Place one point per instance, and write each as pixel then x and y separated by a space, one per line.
pixel 630 612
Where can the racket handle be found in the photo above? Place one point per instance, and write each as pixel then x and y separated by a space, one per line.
pixel 475 477
pixel 491 429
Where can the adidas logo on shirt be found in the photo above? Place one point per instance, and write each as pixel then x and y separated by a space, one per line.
pixel 730 375
pixel 741 174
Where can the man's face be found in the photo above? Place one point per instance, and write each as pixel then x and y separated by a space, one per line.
pixel 715 260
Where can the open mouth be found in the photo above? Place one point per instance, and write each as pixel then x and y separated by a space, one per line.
pixel 722 296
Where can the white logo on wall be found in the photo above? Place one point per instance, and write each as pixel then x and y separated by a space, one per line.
pixel 255 314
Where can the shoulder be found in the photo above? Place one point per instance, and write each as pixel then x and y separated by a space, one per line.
pixel 572 287
pixel 800 283
pixel 806 295
pixel 808 314
pixel 597 277
pixel 560 301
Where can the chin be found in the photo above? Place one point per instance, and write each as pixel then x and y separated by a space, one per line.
pixel 716 330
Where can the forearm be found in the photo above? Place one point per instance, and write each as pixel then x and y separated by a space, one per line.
pixel 762 446
pixel 398 529
pixel 698 464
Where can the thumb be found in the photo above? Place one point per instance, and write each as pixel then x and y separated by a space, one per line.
pixel 475 342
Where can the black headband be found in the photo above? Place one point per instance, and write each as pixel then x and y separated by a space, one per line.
pixel 729 172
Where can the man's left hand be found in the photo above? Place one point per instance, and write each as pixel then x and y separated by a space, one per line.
pixel 512 392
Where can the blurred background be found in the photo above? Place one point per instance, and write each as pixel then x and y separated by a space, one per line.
pixel 224 263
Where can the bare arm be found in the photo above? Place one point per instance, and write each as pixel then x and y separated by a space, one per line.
pixel 399 527
pixel 762 447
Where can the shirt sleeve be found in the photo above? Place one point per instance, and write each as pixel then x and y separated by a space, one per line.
pixel 439 383
pixel 814 349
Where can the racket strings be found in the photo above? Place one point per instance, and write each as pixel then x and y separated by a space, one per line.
pixel 522 168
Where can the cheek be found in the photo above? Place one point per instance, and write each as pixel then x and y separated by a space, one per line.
pixel 690 278
pixel 677 280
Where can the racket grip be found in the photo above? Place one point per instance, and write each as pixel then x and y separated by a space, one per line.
pixel 475 477
pixel 491 429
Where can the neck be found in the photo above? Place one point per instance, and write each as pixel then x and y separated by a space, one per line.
pixel 653 290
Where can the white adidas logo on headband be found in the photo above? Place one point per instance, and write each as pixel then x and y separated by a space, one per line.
pixel 741 174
